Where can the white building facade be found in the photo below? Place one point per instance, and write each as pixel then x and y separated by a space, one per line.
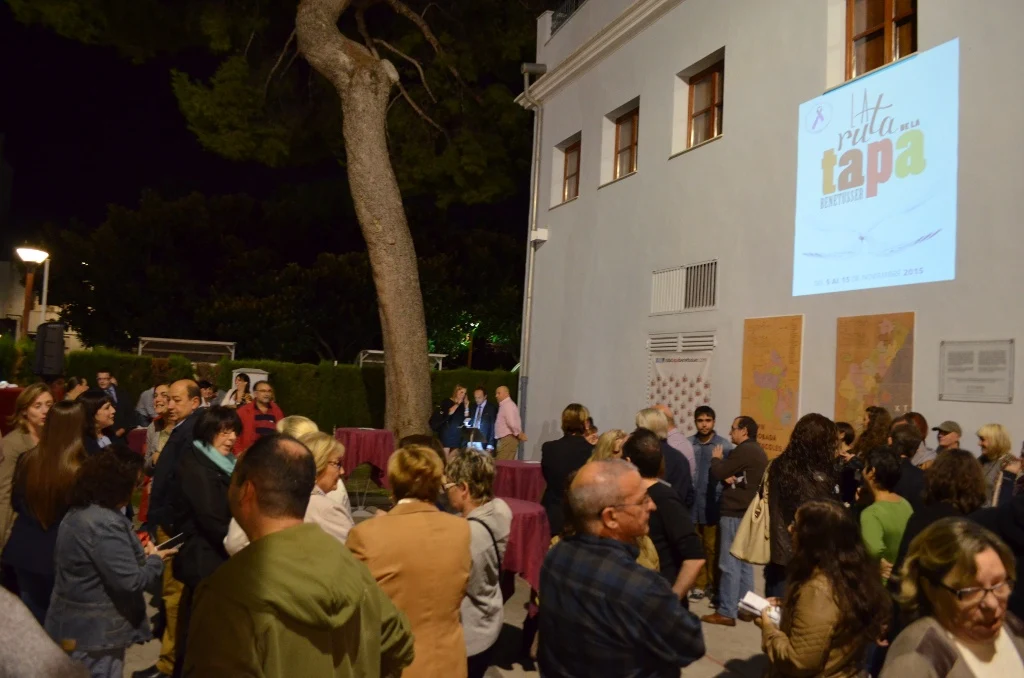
pixel 647 196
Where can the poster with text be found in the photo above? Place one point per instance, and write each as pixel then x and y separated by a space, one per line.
pixel 874 365
pixel 682 381
pixel 770 393
pixel 876 184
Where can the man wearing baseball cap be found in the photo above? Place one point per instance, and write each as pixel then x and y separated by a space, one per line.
pixel 949 436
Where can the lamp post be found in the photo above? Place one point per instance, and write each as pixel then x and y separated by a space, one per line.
pixel 32 257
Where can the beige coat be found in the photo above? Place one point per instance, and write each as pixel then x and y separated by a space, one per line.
pixel 804 645
pixel 420 557
pixel 923 650
pixel 13 445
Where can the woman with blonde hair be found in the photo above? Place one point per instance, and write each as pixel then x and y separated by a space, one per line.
pixel 677 469
pixel 43 480
pixel 335 518
pixel 560 458
pixel 609 445
pixel 1000 466
pixel 956 584
pixel 297 426
pixel 30 410
pixel 421 559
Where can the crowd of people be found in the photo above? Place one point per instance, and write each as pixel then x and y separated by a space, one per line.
pixel 882 555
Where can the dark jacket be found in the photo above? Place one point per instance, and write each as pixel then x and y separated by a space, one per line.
pixel 911 484
pixel 30 546
pixel 448 426
pixel 487 419
pixel 558 459
pixel 101 573
pixel 747 457
pixel 203 516
pixel 166 486
pixel 1007 521
pixel 672 532
pixel 677 474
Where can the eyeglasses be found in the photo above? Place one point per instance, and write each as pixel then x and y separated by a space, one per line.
pixel 975 594
pixel 643 502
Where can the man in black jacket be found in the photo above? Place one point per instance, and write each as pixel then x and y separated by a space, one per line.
pixel 482 416
pixel 183 404
pixel 742 473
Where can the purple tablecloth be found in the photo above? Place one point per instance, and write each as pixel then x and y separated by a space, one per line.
pixel 528 540
pixel 370 446
pixel 519 480
pixel 136 439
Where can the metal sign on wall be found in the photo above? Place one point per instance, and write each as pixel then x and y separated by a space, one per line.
pixel 976 371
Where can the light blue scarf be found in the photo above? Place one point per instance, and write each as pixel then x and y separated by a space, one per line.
pixel 225 462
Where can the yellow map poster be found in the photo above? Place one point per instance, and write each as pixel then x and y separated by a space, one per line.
pixel 874 364
pixel 772 350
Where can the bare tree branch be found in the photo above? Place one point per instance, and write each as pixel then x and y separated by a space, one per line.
pixel 414 62
pixel 420 22
pixel 280 57
pixel 420 111
pixel 364 31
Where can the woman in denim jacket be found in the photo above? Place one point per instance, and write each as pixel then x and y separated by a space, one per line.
pixel 102 569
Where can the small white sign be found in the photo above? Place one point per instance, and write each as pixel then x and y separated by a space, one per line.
pixel 976 371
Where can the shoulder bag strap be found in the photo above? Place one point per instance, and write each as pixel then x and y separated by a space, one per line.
pixel 497 551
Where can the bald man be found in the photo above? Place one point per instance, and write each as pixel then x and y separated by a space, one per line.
pixel 603 613
pixel 508 427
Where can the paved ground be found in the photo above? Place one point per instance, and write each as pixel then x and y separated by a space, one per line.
pixel 731 652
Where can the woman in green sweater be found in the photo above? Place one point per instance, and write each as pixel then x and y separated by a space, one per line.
pixel 883 522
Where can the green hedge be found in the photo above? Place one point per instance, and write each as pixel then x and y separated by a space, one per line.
pixel 134 373
pixel 346 395
pixel 331 395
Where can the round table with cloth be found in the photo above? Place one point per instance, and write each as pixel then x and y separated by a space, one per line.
pixel 519 480
pixel 528 540
pixel 367 445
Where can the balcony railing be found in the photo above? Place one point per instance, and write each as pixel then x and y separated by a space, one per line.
pixel 564 13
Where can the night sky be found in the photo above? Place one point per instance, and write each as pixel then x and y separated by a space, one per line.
pixel 85 128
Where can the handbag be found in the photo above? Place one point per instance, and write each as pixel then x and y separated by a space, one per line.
pixel 753 537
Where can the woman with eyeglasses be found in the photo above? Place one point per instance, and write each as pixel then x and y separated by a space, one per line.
pixel 956 582
pixel 421 559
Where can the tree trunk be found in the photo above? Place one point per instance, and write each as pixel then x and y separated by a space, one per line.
pixel 364 83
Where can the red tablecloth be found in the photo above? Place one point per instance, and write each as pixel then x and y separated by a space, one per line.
pixel 137 440
pixel 528 540
pixel 371 446
pixel 7 398
pixel 519 480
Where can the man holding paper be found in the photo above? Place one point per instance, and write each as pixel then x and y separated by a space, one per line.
pixel 744 468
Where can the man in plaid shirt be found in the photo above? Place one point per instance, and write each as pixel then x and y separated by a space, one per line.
pixel 601 613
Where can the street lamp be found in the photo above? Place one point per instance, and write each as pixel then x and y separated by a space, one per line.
pixel 32 257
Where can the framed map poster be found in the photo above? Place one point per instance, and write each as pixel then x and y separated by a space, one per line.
pixel 770 391
pixel 874 364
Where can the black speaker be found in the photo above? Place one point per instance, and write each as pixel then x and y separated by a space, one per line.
pixel 49 350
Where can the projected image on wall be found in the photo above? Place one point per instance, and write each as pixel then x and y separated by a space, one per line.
pixel 877 178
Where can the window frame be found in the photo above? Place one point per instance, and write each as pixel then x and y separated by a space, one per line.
pixel 633 115
pixel 566 176
pixel 717 106
pixel 889 26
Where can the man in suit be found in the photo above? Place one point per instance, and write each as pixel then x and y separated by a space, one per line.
pixel 124 416
pixel 482 417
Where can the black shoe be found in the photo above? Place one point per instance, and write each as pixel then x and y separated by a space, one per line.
pixel 151 672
